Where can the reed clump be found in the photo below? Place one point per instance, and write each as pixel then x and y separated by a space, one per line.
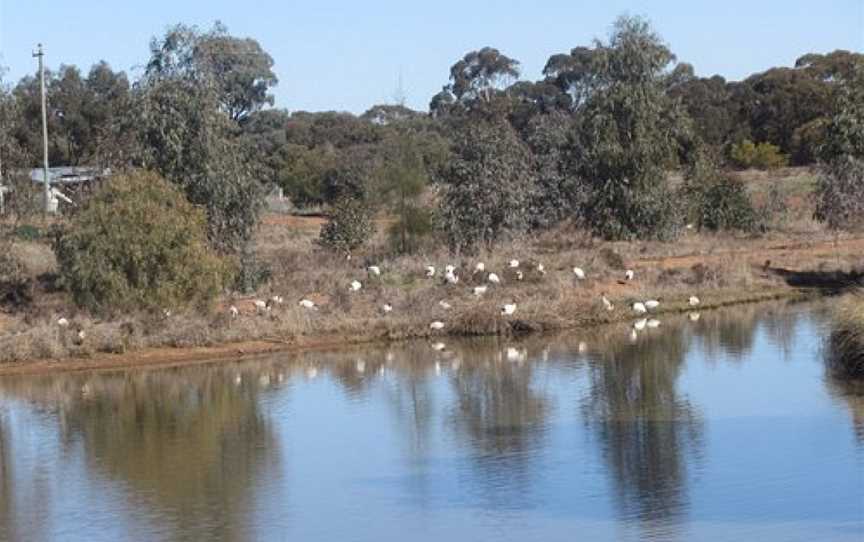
pixel 846 342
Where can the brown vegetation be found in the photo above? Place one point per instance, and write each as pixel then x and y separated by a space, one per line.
pixel 720 269
pixel 846 343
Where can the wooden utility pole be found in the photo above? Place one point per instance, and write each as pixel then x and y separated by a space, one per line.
pixel 39 54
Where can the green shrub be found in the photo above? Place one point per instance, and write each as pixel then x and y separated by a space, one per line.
pixel 725 205
pixel 768 156
pixel 28 232
pixel 139 244
pixel 743 153
pixel 349 227
pixel 746 154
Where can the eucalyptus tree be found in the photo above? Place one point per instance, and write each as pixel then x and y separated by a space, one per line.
pixel 557 190
pixel 840 189
pixel 239 69
pixel 480 73
pixel 476 79
pixel 629 134
pixel 189 136
pixel 488 185
pixel 12 154
pixel 574 73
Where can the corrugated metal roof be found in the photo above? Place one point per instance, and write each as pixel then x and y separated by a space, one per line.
pixel 68 175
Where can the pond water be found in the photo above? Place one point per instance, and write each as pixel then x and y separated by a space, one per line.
pixel 721 428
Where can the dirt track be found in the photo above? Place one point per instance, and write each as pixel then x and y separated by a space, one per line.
pixel 757 254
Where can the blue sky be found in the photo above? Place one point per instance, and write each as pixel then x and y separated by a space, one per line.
pixel 347 55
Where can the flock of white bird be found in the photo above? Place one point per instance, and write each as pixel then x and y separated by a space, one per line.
pixel 642 309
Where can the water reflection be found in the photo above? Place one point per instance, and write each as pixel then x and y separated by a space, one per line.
pixel 850 394
pixel 646 430
pixel 477 425
pixel 190 446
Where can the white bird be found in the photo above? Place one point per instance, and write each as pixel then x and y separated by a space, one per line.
pixel 307 303
pixel 233 311
pixel 62 322
pixel 480 267
pixel 437 325
pixel 430 271
pixel 639 308
pixel 444 305
pixel 386 308
pixel 355 286
pixel 374 270
pixel 541 269
pixel 579 272
pixel 640 324
pixel 514 354
pixel 439 346
pixel 653 323
pixel 261 306
pixel 514 264
pixel 652 304
pixel 694 316
pixel 629 274
pixel 508 308
pixel 451 278
pixel 694 301
pixel 519 275
pixel 166 313
pixel 238 380
pixel 493 278
pixel 81 335
pixel 606 303
pixel 277 299
pixel 449 268
pixel 480 290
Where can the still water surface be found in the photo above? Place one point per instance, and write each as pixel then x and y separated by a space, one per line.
pixel 725 428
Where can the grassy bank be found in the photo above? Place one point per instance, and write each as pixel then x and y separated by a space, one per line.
pixel 719 270
pixel 846 344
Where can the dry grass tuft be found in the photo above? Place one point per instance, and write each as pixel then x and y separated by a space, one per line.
pixel 846 343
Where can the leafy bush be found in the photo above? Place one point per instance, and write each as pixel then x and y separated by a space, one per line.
pixel 746 154
pixel 489 185
pixel 303 173
pixel 725 205
pixel 139 244
pixel 350 225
